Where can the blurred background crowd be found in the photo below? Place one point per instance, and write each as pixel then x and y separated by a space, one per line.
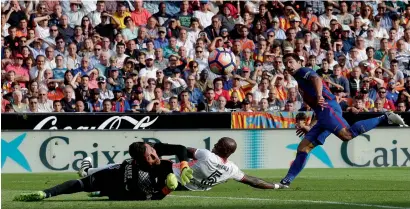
pixel 151 56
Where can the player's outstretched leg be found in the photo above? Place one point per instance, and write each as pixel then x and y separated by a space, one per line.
pixel 68 187
pixel 305 146
pixel 364 126
pixel 316 136
pixel 86 164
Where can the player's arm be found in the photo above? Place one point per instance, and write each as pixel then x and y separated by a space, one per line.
pixel 182 154
pixel 164 149
pixel 168 182
pixel 258 183
pixel 317 83
pixel 191 152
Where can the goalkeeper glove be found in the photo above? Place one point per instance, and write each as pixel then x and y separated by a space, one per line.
pixel 172 181
pixel 186 173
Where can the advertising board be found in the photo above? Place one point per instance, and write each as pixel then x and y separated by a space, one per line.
pixel 62 151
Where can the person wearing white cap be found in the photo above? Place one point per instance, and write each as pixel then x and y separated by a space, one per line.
pixel 279 33
pixel 295 23
pixel 150 70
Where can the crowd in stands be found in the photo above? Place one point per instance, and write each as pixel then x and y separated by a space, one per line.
pixel 152 56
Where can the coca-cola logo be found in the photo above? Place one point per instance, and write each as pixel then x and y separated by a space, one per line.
pixel 111 123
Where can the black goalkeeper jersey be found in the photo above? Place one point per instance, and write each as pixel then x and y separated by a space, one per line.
pixel 138 184
pixel 130 182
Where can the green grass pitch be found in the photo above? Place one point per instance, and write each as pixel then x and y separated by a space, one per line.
pixel 315 188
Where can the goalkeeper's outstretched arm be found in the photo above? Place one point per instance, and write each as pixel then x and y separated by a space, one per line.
pixel 258 183
pixel 164 149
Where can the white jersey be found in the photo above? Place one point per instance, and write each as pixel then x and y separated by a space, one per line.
pixel 209 170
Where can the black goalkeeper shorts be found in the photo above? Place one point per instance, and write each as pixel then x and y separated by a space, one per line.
pixel 106 181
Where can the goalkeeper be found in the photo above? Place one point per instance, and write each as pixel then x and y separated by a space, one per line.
pixel 143 177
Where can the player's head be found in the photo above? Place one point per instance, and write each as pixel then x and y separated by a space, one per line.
pixel 225 147
pixel 144 154
pixel 292 62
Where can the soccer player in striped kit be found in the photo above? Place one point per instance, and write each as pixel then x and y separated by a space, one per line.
pixel 328 113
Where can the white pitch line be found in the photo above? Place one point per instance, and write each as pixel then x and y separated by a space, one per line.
pixel 280 200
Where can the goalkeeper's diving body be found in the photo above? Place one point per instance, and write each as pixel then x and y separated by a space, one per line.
pixel 209 169
pixel 143 177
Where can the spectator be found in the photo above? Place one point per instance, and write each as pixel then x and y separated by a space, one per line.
pixel 368 103
pixel 186 104
pixel 138 95
pixel 114 80
pixel 386 103
pixel 378 107
pixel 140 15
pixel 324 20
pixel 325 70
pixel 339 94
pixel 339 79
pixel 264 105
pixel 17 104
pixel 234 103
pixel 129 87
pixel 401 107
pixel 95 104
pixel 246 106
pixel 289 107
pixel 158 103
pixel 221 105
pixel 135 107
pixel 173 60
pixel 242 90
pixel 392 94
pixel 294 98
pixel 355 81
pixel 358 106
pixel 21 74
pixel 277 87
pixel 195 94
pixel 119 103
pixel 149 91
pixel 57 107
pixel 99 45
pixel 204 16
pixel 209 103
pixel 79 106
pixel 219 91
pixel 107 106
pixel 173 104
pixel 68 102
pixel 44 104
pixel 33 105
pixel 149 71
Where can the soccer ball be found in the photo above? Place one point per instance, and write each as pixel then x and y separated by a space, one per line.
pixel 222 61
